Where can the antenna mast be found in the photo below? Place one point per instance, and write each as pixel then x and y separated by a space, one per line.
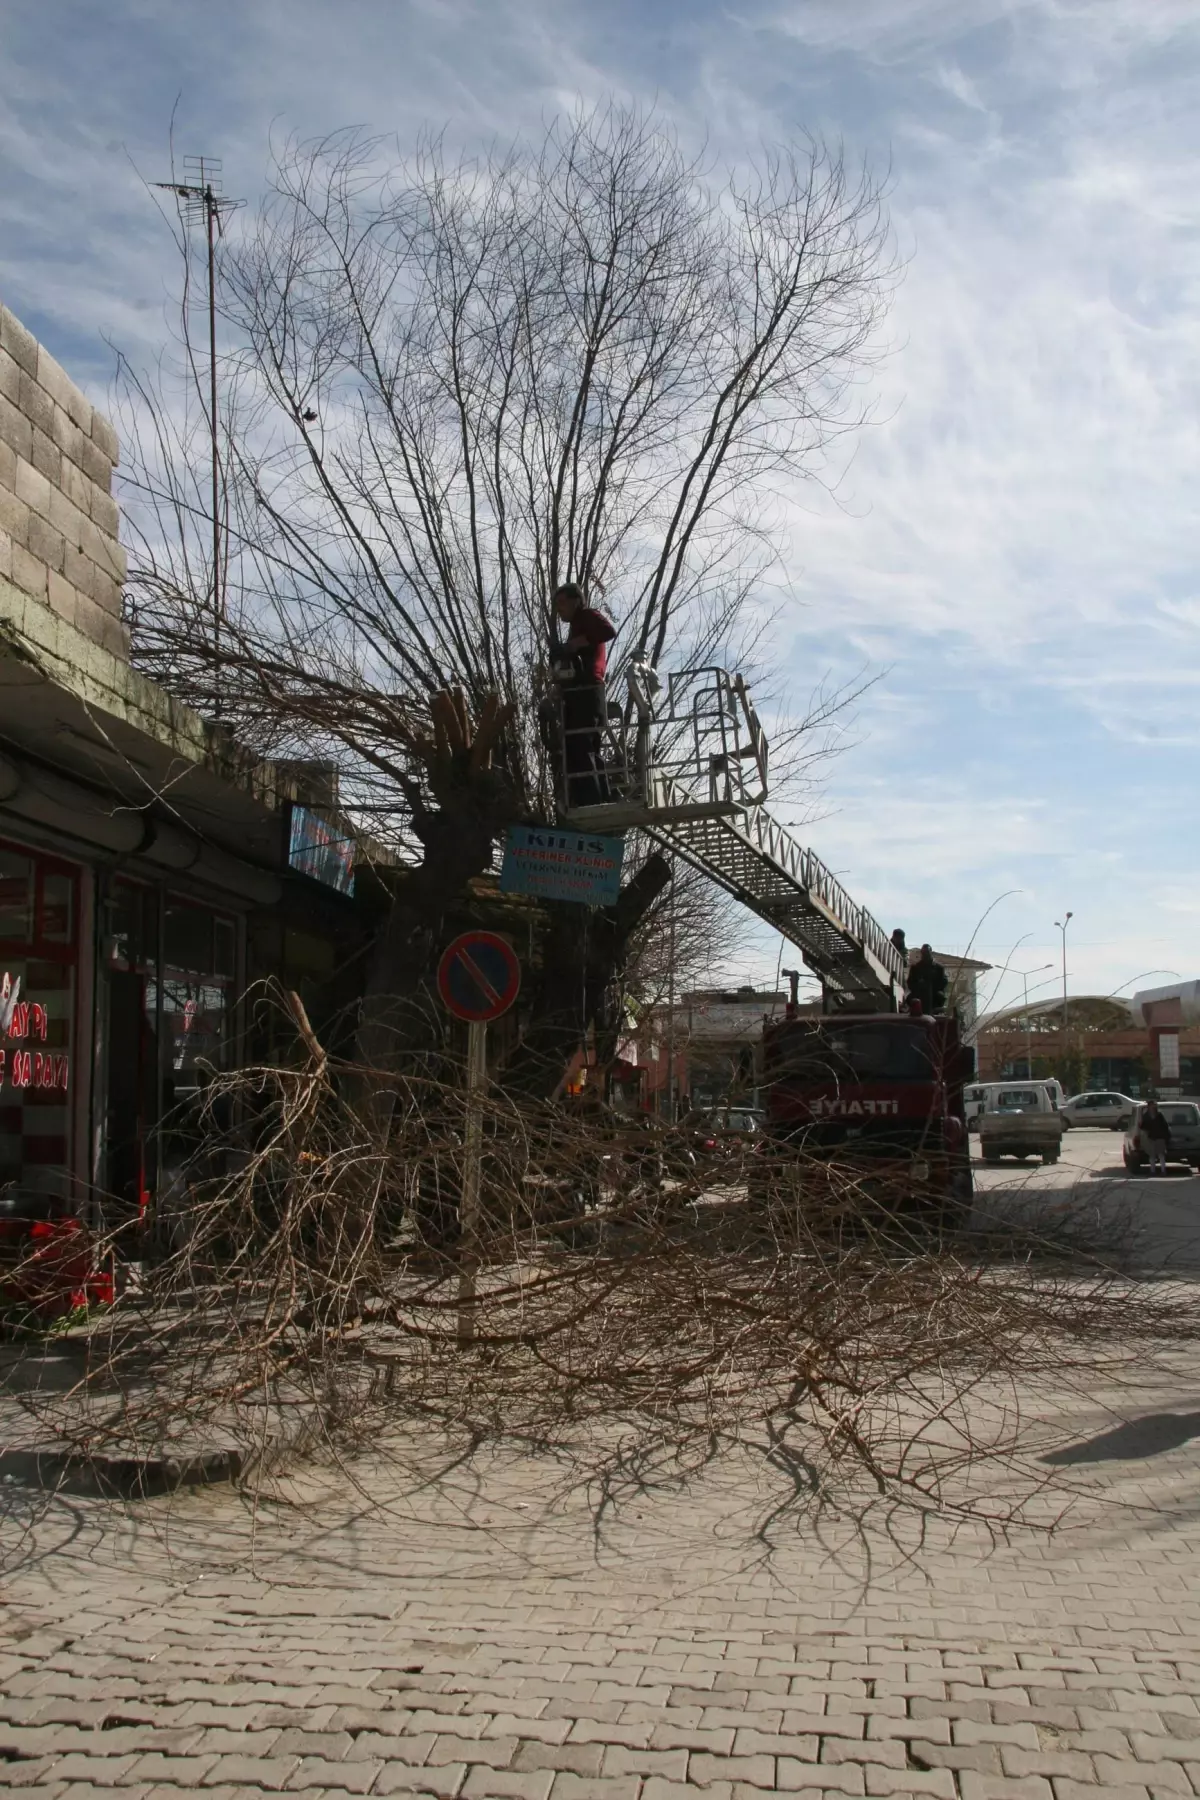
pixel 203 202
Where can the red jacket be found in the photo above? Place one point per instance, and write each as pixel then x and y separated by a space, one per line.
pixel 590 634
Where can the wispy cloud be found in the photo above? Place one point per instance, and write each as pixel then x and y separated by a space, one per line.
pixel 1014 540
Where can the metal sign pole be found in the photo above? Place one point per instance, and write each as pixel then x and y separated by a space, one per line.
pixel 468 1212
pixel 478 979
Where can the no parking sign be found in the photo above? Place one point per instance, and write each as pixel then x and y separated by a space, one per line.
pixel 478 977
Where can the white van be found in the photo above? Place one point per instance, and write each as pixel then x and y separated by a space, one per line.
pixel 1021 1119
pixel 974 1101
pixel 975 1097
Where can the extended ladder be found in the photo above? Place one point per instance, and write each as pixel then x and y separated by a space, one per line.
pixel 694 777
pixel 755 860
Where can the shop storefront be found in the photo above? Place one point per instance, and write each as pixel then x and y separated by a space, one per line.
pixel 169 967
pixel 137 840
pixel 40 994
pixel 117 1005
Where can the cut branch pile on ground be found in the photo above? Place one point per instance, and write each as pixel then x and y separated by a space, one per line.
pixel 311 1267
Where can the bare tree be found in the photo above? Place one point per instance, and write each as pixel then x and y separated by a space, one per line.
pixel 451 385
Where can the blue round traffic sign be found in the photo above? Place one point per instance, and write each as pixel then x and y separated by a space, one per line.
pixel 479 976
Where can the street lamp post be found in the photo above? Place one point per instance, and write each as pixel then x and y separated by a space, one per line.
pixel 671 1005
pixel 1062 926
pixel 1025 974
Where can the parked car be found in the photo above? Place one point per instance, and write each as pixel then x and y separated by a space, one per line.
pixel 1183 1118
pixel 1020 1119
pixel 1112 1111
pixel 720 1129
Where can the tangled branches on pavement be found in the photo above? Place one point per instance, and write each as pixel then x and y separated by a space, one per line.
pixel 314 1267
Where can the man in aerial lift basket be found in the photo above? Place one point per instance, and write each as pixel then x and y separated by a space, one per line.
pixel 579 666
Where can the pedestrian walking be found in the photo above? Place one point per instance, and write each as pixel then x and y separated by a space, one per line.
pixel 1154 1137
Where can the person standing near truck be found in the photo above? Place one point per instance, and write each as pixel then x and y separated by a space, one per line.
pixel 927 982
pixel 1154 1135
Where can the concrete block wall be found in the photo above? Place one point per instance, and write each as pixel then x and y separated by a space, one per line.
pixel 58 519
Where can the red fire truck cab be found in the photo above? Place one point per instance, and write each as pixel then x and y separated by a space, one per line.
pixel 882 1092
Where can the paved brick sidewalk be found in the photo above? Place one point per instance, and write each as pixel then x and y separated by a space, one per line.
pixel 504 1631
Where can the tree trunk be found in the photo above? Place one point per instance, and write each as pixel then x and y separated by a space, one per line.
pixel 582 954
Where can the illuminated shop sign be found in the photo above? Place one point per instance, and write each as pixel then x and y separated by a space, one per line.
pixel 44 1070
pixel 319 850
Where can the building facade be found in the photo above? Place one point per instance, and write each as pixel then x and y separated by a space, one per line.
pixel 962 975
pixel 706 1049
pixel 1131 1048
pixel 149 871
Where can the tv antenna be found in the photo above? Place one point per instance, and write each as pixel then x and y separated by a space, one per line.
pixel 203 203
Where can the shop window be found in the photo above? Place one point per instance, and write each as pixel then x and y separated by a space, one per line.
pixel 58 907
pixel 170 1023
pixel 188 938
pixel 170 1013
pixel 197 989
pixel 224 949
pixel 38 915
pixel 196 1010
pixel 131 1055
pixel 16 896
pixel 133 927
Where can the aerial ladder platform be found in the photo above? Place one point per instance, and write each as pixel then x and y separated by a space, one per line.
pixel 690 768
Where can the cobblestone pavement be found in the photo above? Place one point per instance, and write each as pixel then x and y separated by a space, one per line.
pixel 484 1625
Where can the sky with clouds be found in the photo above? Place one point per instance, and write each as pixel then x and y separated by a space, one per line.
pixel 1012 547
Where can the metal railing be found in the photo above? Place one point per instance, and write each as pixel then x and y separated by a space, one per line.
pixel 756 860
pixel 706 741
pixel 694 774
pixel 809 872
pixel 710 731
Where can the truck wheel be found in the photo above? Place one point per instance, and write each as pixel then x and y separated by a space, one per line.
pixel 1049 1156
pixel 954 1205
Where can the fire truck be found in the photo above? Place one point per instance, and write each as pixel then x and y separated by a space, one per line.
pixel 880 1093
pixel 870 1082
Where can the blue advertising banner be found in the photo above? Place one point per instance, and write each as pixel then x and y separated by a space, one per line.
pixel 318 850
pixel 553 864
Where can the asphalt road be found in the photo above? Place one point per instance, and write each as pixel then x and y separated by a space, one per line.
pixel 1153 1220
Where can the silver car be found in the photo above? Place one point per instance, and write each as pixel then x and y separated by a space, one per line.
pixel 1113 1111
pixel 1183 1120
